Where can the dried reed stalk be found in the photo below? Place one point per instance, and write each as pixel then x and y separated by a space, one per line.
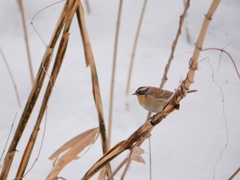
pixel 113 73
pixel 11 76
pixel 135 47
pixel 56 68
pixel 95 85
pixel 186 27
pixel 180 93
pixel 26 40
pixel 34 94
pixel 234 174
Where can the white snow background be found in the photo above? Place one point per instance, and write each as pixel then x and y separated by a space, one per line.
pixel 187 144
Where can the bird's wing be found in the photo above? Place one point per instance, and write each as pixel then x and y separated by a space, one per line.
pixel 160 93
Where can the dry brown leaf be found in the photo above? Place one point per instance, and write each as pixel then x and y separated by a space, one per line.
pixel 76 145
pixel 136 155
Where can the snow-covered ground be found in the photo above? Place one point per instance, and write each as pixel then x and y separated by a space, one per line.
pixel 187 144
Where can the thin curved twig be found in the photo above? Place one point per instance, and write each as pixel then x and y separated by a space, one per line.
pixel 222 50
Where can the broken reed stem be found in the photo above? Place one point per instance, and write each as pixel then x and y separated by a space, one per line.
pixel 26 40
pixel 113 73
pixel 135 47
pixel 33 94
pixel 11 76
pixel 147 127
pixel 56 68
pixel 95 85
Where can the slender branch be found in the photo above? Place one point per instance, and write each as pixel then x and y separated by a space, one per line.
pixel 11 76
pixel 222 50
pixel 8 136
pixel 113 73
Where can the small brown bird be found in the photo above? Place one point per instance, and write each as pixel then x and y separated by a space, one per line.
pixel 152 98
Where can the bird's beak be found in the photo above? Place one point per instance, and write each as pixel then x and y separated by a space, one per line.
pixel 134 94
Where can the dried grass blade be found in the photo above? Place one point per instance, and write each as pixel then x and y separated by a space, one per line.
pixel 85 139
pixel 71 143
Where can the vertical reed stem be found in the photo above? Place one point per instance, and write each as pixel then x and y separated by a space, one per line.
pixel 135 47
pixel 113 73
pixel 26 40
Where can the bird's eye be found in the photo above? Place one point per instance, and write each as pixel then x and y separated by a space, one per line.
pixel 142 90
